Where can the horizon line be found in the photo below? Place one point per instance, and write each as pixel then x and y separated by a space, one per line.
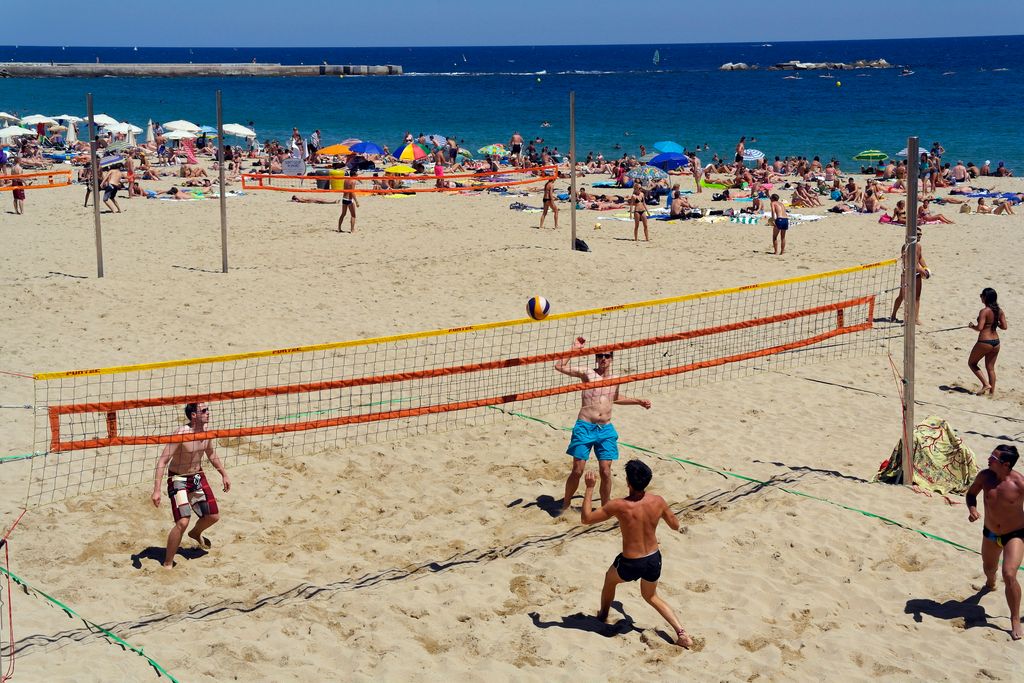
pixel 438 47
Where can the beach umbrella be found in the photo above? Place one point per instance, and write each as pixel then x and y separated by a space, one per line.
pixel 131 136
pixel 238 130
pixel 400 169
pixel 72 136
pixel 498 149
pixel 182 125
pixel 871 155
pixel 668 146
pixel 38 118
pixel 669 160
pixel 337 150
pixel 366 148
pixel 179 135
pixel 646 173
pixel 410 152
pixel 67 117
pixel 118 146
pixel 104 120
pixel 350 141
pixel 57 129
pixel 111 159
pixel 15 131
pixel 150 134
pixel 902 153
pixel 465 153
pixel 4 116
pixel 437 139
pixel 209 130
pixel 123 127
pixel 752 154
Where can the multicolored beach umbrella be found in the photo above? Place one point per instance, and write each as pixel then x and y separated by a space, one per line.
pixel 871 155
pixel 411 152
pixel 646 173
pixel 498 149
pixel 668 146
pixel 752 154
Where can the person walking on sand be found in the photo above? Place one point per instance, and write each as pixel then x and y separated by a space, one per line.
pixel 638 207
pixel 549 202
pixel 348 204
pixel 593 428
pixel 1003 530
pixel 922 274
pixel 780 225
pixel 991 319
pixel 187 486
pixel 515 149
pixel 110 184
pixel 697 170
pixel 638 515
pixel 18 193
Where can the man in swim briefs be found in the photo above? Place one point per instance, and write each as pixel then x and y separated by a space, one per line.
pixel 348 204
pixel 186 482
pixel 1003 530
pixel 638 515
pixel 593 428
pixel 515 148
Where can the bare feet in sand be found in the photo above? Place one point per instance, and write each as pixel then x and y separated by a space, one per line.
pixel 203 541
pixel 1015 630
pixel 683 638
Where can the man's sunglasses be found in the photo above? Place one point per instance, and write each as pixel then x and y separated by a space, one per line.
pixel 602 355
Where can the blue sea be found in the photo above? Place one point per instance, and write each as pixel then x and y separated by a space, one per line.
pixel 965 93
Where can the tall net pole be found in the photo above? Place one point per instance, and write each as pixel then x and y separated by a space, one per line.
pixel 95 180
pixel 223 188
pixel 572 166
pixel 910 309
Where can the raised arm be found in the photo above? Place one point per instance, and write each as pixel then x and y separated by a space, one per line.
pixel 603 513
pixel 562 364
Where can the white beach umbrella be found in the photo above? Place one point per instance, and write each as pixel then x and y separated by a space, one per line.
pixel 150 135
pixel 72 136
pixel 4 116
pixel 69 117
pixel 14 131
pixel 131 135
pixel 238 130
pixel 104 120
pixel 902 152
pixel 123 127
pixel 752 155
pixel 38 118
pixel 187 126
pixel 179 135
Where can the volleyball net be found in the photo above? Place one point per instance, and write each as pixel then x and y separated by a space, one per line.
pixel 399 179
pixel 98 429
pixel 40 180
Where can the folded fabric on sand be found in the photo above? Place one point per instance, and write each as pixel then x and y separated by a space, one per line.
pixel 942 461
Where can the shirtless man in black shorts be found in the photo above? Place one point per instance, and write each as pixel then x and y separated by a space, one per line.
pixel 638 515
pixel 348 205
pixel 1003 532
pixel 515 149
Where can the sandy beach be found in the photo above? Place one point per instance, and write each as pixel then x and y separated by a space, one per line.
pixel 435 555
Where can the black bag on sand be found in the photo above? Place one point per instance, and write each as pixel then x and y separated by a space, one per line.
pixel 580 245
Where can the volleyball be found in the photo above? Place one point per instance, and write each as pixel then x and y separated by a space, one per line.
pixel 538 308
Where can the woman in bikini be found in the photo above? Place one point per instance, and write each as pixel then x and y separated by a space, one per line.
pixel 549 202
pixel 639 214
pixel 990 320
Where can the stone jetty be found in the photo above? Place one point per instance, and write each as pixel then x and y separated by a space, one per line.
pixel 100 70
pixel 796 65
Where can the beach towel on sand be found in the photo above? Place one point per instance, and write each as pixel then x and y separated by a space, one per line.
pixel 942 461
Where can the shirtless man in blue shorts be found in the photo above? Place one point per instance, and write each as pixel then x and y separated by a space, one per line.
pixel 593 428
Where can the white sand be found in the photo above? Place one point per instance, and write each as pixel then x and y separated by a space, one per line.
pixel 432 554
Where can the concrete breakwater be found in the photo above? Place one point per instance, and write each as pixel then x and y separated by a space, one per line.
pixel 99 70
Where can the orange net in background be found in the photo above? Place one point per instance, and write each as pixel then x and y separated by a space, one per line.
pixel 29 180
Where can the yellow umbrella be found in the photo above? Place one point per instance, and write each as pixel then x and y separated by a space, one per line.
pixel 400 169
pixel 334 150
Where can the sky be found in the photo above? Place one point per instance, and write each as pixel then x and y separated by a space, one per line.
pixel 385 23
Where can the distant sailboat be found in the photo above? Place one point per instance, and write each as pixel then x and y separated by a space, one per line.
pixel 463 58
pixel 657 58
pixel 135 49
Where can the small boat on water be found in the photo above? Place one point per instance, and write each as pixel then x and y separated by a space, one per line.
pixel 792 78
pixel 657 58
pixel 826 75
pixel 906 72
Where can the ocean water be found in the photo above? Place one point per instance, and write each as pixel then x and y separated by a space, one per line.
pixel 965 92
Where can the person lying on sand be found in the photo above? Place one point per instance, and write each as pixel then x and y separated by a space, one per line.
pixel 313 200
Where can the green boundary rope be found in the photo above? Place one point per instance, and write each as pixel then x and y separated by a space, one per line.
pixel 754 480
pixel 92 626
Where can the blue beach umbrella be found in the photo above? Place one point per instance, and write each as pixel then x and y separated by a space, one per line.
pixel 207 129
pixel 668 146
pixel 669 160
pixel 366 148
